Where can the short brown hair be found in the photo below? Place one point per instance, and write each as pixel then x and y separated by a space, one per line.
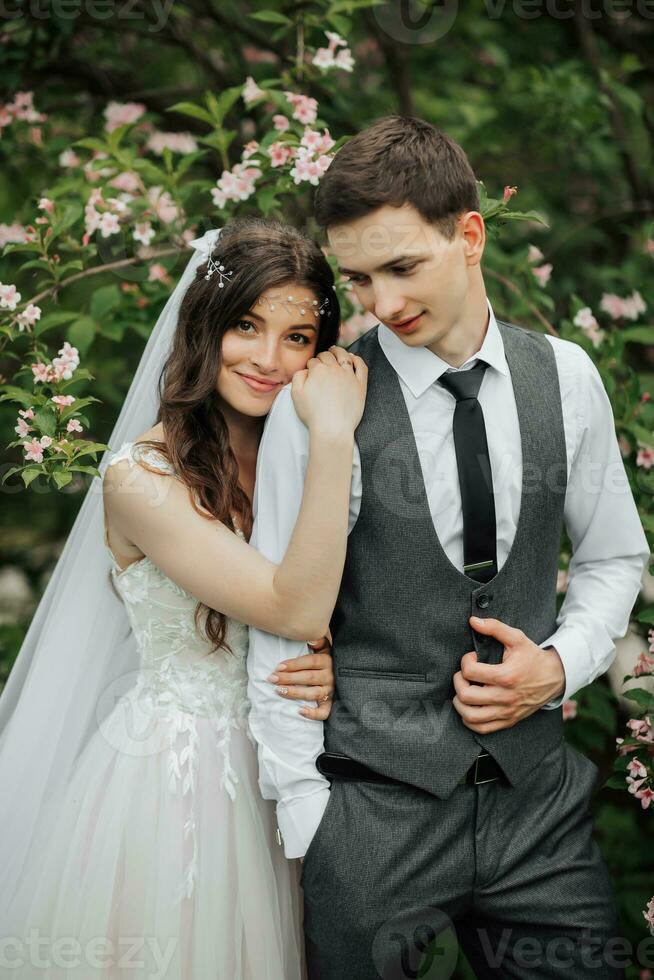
pixel 398 160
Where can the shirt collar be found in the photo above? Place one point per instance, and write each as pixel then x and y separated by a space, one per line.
pixel 419 368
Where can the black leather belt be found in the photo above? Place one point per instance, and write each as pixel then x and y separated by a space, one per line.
pixel 335 766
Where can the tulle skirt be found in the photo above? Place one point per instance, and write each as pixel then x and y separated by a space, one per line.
pixel 153 870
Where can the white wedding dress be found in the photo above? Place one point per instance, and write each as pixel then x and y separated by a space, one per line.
pixel 164 848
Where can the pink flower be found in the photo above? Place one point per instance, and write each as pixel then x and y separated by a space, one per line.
pixel 126 181
pixel 22 428
pixel 629 308
pixel 12 234
pixel 121 114
pixel 29 316
pixel 323 58
pixel 45 204
pixel 650 640
pixel 27 413
pixel 281 123
pixel 644 665
pixel 508 193
pixel 636 769
pixel 648 247
pixel 645 457
pixel 569 708
pixel 641 729
pixel 317 142
pixel 41 372
pixel 645 796
pixel 164 206
pixel 280 153
pixel 175 142
pixel 251 91
pixel 34 448
pixel 237 184
pixel 543 273
pixel 68 158
pixel 306 108
pixel 534 254
pixel 344 60
pixel 22 107
pixel 33 451
pixel 64 401
pixel 74 426
pixel 250 149
pixel 108 224
pixel 308 169
pixel 335 40
pixel 648 915
pixel 67 362
pixel 143 232
pixel 158 273
pixel 9 297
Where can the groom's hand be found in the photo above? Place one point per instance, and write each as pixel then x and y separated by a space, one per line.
pixel 503 694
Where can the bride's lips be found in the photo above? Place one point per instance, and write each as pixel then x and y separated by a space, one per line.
pixel 408 325
pixel 257 385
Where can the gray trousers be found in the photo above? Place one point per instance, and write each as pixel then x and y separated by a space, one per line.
pixel 395 880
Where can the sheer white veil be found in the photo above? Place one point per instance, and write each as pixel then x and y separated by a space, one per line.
pixel 79 653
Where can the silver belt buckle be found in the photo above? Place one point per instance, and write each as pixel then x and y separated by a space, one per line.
pixel 480 782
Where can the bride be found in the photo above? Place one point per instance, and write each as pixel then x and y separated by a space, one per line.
pixel 133 838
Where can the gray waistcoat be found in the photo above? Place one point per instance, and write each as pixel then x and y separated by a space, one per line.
pixel 400 625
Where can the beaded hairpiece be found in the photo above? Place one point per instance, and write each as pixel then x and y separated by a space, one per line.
pixel 220 269
pixel 288 303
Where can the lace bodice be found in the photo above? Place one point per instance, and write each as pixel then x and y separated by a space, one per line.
pixel 179 676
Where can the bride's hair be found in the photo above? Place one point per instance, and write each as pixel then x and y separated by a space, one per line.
pixel 262 254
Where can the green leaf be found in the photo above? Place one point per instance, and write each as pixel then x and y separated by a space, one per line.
pixel 53 320
pixel 11 393
pixel 93 470
pixel 30 473
pixel 640 696
pixel 103 300
pixel 190 109
pixel 91 143
pixel 646 615
pixel 224 103
pixel 637 335
pixel 45 420
pixel 112 329
pixel 62 479
pixel 615 782
pixel 271 17
pixel 82 333
pixel 14 469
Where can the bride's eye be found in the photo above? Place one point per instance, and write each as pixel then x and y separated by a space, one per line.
pixel 242 325
pixel 301 338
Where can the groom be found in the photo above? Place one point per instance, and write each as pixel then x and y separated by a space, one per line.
pixel 440 798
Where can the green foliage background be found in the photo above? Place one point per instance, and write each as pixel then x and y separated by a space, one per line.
pixel 558 105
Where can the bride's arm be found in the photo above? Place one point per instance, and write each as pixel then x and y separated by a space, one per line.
pixel 295 598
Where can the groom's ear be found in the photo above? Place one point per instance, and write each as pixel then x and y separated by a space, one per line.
pixel 473 232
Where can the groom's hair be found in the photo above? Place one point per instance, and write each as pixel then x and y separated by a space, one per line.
pixel 398 160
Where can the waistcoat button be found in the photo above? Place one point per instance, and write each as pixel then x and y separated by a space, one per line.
pixel 483 600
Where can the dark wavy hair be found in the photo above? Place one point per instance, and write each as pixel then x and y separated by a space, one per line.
pixel 263 253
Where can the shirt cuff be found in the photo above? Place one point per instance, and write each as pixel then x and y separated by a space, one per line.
pixel 575 657
pixel 298 821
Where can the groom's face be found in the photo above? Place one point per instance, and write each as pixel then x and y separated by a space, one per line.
pixel 402 268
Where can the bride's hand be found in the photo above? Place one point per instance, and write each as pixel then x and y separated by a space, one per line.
pixel 330 394
pixel 308 678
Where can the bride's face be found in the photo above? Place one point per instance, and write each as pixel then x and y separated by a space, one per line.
pixel 264 349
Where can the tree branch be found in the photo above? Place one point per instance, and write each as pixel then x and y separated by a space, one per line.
pixel 511 286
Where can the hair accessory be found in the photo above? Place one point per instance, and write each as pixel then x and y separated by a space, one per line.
pixel 288 303
pixel 205 246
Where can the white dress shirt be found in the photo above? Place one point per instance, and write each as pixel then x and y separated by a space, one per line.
pixel 610 550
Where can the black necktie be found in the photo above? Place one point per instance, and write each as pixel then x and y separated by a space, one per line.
pixel 475 478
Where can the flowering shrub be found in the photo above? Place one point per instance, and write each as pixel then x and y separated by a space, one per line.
pixel 89 262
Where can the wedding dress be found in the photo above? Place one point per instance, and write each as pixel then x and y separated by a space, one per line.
pixel 163 853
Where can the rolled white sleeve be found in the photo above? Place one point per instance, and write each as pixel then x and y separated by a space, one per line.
pixel 610 550
pixel 288 743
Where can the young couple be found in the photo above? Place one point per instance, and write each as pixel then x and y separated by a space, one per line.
pixel 402 488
